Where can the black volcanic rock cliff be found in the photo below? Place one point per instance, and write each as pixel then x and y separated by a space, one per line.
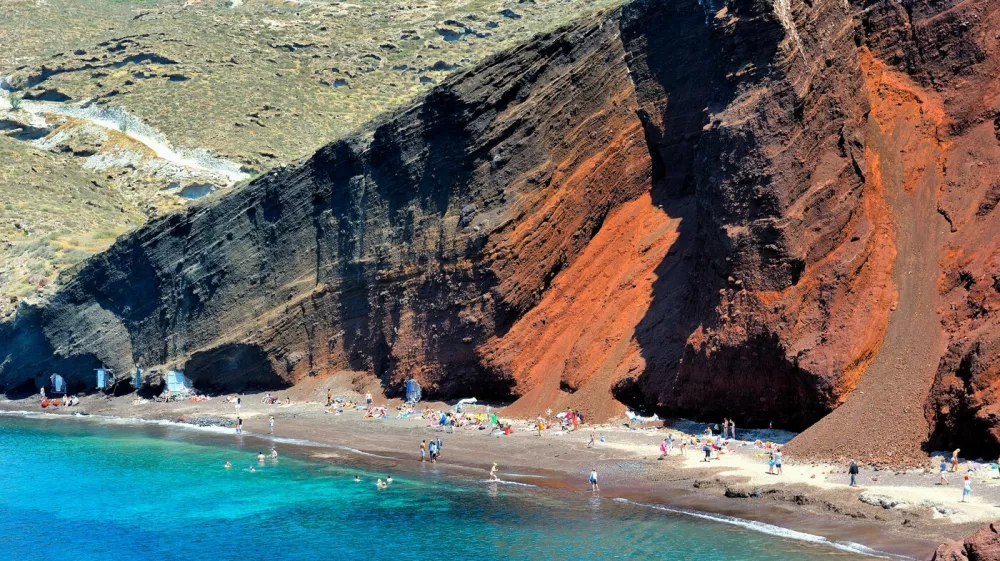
pixel 744 208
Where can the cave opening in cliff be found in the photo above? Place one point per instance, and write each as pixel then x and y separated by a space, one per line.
pixel 25 389
pixel 233 367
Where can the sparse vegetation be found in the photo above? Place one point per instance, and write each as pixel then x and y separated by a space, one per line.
pixel 254 84
pixel 15 101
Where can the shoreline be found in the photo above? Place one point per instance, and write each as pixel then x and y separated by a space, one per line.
pixel 723 490
pixel 314 452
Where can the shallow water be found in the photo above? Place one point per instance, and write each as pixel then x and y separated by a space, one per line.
pixel 91 491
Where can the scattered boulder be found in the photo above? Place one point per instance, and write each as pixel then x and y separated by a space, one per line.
pixel 984 545
pixel 742 492
pixel 884 501
pixel 509 14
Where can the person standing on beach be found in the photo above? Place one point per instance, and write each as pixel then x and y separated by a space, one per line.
pixel 593 480
pixel 954 459
pixel 966 488
pixel 493 473
pixel 663 448
pixel 777 460
pixel 853 471
pixel 670 443
pixel 270 425
pixel 329 398
pixel 433 450
pixel 725 427
pixel 239 403
pixel 944 469
pixel 368 398
pixel 593 439
pixel 541 425
pixel 423 450
pixel 732 429
pixel 439 446
pixel 239 425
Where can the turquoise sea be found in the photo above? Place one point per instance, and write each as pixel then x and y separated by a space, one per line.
pixel 86 490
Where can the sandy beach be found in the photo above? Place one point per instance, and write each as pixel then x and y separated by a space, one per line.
pixel 900 512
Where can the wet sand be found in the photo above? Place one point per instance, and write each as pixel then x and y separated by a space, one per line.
pixel 807 498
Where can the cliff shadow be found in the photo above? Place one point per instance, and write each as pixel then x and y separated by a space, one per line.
pixel 688 67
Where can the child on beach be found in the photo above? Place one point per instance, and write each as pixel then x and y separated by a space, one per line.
pixel 663 448
pixel 966 488
pixel 944 468
pixel 777 460
pixel 670 444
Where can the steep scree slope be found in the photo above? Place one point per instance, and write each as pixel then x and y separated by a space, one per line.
pixel 700 208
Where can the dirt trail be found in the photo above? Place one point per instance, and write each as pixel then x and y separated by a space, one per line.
pixel 883 418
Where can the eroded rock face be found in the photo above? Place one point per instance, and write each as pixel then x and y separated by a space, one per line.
pixel 745 208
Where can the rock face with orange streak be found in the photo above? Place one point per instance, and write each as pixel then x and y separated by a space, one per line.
pixel 399 250
pixel 746 208
pixel 964 408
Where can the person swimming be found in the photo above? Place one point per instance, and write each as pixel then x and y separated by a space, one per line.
pixel 252 469
pixel 228 465
pixel 260 457
pixel 380 484
pixel 357 479
pixel 388 480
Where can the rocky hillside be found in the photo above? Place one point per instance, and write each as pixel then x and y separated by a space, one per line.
pixel 165 101
pixel 765 210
